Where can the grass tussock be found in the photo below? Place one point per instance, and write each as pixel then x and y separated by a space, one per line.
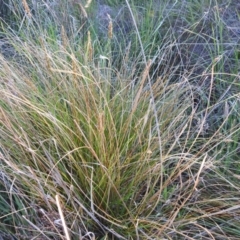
pixel 103 137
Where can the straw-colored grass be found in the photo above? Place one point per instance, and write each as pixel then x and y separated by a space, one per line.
pixel 99 145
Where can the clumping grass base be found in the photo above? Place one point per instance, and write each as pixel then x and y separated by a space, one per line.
pixel 103 138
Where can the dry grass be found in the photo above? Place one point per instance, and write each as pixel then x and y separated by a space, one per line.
pixel 97 148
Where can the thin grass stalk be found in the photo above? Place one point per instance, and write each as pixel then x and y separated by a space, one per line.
pixel 149 82
pixel 83 11
pixel 26 8
pixel 110 27
pixel 65 228
pixel 143 80
pixel 88 3
pixel 36 227
pixel 64 37
pixel 89 51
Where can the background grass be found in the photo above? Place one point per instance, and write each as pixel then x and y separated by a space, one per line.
pixel 119 120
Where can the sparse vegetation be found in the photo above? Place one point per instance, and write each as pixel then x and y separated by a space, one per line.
pixel 117 127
